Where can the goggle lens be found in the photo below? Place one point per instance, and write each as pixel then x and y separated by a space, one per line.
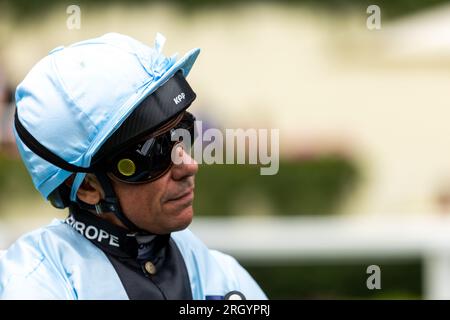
pixel 150 159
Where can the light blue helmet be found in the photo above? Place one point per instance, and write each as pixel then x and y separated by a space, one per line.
pixel 75 98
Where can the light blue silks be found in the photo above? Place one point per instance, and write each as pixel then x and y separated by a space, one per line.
pixel 56 262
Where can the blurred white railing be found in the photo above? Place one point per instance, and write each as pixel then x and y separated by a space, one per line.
pixel 274 240
pixel 325 239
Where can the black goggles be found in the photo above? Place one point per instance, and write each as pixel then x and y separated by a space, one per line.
pixel 151 158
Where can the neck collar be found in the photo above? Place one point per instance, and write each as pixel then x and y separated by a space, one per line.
pixel 116 240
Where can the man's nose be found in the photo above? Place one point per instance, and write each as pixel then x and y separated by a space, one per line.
pixel 187 167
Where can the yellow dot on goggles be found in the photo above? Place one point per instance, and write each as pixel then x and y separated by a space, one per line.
pixel 126 167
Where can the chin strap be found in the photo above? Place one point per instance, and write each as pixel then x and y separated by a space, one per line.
pixel 110 203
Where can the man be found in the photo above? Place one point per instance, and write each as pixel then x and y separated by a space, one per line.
pixel 94 125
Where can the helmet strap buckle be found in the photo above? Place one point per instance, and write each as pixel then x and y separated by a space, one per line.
pixel 98 209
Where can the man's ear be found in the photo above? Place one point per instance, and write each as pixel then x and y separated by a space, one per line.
pixel 90 191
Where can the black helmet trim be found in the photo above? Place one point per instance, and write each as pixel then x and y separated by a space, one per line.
pixel 156 110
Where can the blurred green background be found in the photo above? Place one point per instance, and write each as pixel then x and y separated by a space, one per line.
pixel 362 115
pixel 391 9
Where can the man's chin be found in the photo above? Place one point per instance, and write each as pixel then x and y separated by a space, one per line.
pixel 183 218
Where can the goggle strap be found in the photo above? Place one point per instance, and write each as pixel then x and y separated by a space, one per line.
pixel 39 149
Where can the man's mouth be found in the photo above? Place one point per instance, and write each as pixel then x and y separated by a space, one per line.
pixel 187 195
